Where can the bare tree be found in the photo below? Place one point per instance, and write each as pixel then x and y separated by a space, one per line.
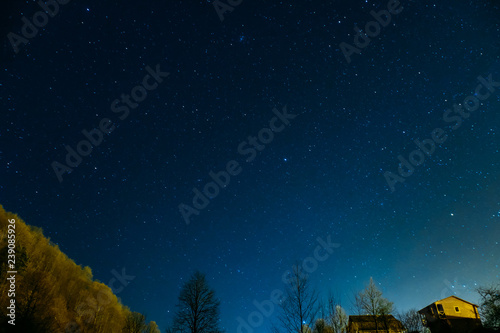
pixel 198 309
pixel 370 302
pixel 336 317
pixel 299 306
pixel 490 306
pixel 411 320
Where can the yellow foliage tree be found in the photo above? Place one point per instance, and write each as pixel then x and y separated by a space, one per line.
pixel 52 292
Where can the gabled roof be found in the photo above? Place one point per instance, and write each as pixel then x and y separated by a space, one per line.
pixel 455 297
pixel 367 322
pixel 458 299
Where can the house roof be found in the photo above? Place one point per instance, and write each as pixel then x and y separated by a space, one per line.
pixel 368 323
pixel 458 298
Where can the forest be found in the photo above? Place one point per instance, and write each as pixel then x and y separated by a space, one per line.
pixel 53 294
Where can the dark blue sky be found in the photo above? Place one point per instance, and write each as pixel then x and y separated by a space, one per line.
pixel 322 175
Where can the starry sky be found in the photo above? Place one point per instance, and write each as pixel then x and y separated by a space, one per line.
pixel 321 175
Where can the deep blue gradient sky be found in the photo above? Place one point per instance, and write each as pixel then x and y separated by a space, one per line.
pixel 434 236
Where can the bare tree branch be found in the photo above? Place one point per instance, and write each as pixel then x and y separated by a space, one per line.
pixel 300 305
pixel 198 308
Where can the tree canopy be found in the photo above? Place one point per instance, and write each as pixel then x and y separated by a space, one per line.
pixel 53 293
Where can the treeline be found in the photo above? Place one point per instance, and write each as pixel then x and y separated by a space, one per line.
pixel 301 309
pixel 53 293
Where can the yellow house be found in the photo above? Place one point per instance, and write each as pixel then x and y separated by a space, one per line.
pixel 451 314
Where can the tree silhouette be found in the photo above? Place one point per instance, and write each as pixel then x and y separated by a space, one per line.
pixel 490 306
pixel 198 309
pixel 299 306
pixel 411 320
pixel 336 317
pixel 320 326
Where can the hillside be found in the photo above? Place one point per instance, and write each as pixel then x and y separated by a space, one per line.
pixel 51 292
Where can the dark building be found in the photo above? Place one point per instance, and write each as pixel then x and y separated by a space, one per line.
pixel 372 324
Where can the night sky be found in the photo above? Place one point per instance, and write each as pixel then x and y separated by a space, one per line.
pixel 321 173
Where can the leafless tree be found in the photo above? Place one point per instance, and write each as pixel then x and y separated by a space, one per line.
pixel 411 320
pixel 299 306
pixel 370 302
pixel 198 309
pixel 335 316
pixel 490 306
